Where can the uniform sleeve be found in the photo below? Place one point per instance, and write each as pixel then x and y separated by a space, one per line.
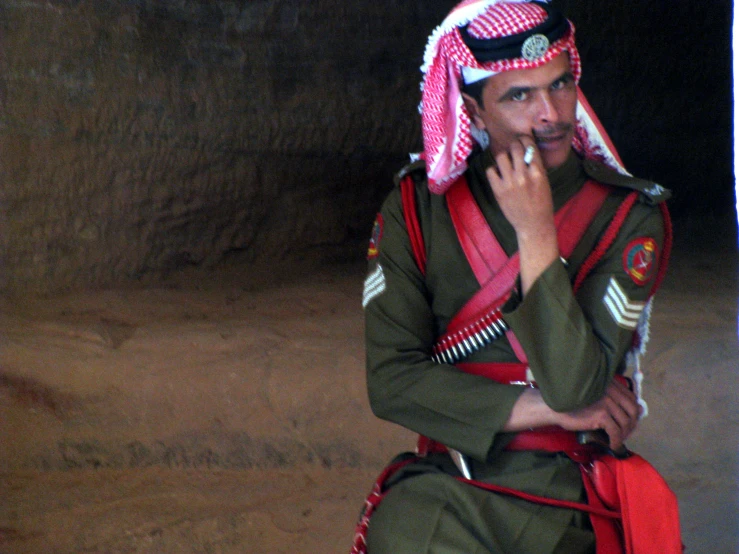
pixel 405 386
pixel 576 344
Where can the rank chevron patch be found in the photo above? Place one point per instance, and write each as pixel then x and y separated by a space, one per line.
pixel 624 311
pixel 374 285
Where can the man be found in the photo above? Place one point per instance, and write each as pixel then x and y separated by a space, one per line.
pixel 508 275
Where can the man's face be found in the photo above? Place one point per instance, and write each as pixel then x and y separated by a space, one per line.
pixel 539 103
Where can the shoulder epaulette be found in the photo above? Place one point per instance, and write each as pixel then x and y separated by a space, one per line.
pixel 415 166
pixel 651 192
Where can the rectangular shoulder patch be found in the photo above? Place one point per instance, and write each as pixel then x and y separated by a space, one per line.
pixel 374 285
pixel 624 311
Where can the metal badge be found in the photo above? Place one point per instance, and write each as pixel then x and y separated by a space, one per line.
pixel 534 47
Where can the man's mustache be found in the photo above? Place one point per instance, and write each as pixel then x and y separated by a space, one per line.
pixel 552 131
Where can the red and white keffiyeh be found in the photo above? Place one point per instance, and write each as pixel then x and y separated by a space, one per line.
pixel 446 125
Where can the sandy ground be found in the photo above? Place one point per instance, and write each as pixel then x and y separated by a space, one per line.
pixel 225 413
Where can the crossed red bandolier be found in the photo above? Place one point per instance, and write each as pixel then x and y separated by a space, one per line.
pixel 631 508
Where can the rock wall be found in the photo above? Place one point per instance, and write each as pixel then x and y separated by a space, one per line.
pixel 140 137
pixel 144 136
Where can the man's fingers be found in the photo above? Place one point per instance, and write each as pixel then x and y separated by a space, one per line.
pixel 622 414
pixel 625 398
pixel 617 413
pixel 501 175
pixel 494 177
pixel 513 167
pixel 516 151
pixel 531 156
pixel 505 166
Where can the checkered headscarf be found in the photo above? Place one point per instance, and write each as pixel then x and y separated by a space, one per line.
pixel 446 124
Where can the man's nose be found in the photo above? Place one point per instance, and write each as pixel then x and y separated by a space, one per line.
pixel 546 109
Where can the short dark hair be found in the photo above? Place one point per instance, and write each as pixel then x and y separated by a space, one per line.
pixel 475 90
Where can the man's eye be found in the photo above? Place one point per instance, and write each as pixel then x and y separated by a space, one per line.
pixel 519 96
pixel 561 83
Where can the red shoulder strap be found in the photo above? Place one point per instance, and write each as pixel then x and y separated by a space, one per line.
pixel 481 247
pixel 410 215
pixel 610 235
pixel 605 242
pixel 664 259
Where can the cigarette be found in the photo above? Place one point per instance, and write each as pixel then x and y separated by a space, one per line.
pixel 528 155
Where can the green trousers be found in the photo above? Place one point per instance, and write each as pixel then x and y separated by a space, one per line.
pixel 436 514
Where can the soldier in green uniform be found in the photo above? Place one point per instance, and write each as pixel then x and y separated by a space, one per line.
pixel 501 110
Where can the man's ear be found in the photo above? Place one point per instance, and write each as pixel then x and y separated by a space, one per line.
pixel 473 108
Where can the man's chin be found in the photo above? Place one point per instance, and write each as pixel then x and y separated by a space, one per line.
pixel 554 150
pixel 552 160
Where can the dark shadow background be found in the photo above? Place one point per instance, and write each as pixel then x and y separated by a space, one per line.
pixel 660 75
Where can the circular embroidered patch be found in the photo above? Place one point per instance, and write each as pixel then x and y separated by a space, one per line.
pixel 639 259
pixel 374 244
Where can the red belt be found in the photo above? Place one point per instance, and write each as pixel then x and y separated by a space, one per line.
pixel 551 439
pixel 546 439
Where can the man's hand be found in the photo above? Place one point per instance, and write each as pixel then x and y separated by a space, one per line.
pixel 522 191
pixel 617 413
pixel 525 198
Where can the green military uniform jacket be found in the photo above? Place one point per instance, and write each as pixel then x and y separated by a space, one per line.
pixel 575 344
